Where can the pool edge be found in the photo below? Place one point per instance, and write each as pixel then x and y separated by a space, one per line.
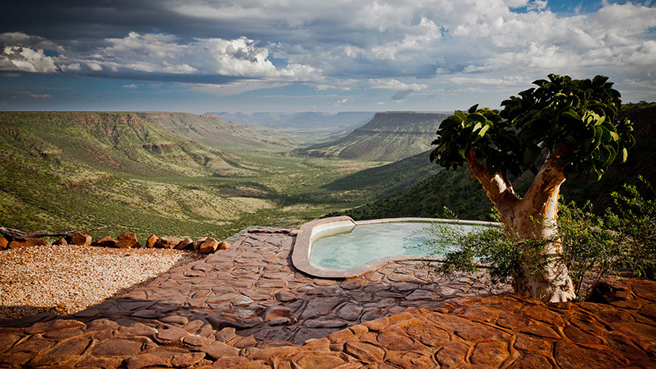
pixel 321 227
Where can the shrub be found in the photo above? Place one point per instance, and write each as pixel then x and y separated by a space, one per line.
pixel 593 246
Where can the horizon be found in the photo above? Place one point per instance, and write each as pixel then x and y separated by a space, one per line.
pixel 300 56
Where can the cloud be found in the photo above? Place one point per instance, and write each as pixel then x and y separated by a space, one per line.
pixel 401 45
pixel 131 85
pixel 400 95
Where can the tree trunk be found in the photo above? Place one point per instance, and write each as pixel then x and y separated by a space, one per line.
pixel 532 218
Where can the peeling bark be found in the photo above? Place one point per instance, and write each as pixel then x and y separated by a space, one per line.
pixel 532 217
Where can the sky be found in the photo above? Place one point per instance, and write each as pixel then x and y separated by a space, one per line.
pixel 202 56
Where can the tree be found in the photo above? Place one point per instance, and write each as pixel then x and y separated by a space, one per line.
pixel 562 126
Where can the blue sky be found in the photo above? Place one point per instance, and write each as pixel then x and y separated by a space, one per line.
pixel 313 55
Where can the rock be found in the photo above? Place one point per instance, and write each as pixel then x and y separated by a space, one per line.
pixel 108 241
pixel 198 243
pixel 223 245
pixel 152 240
pixel 209 246
pixel 27 243
pixel 187 243
pixel 277 312
pixel 80 239
pixel 3 243
pixel 167 242
pixel 61 242
pixel 127 240
pixel 218 349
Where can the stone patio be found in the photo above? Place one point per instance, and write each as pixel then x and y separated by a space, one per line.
pixel 248 307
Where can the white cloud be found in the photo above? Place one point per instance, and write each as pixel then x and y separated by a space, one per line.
pixel 363 44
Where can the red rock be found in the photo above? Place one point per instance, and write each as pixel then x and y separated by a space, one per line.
pixel 152 240
pixel 569 355
pixel 208 246
pixel 364 351
pixel 453 355
pixel 61 242
pixel 146 360
pixel 413 360
pixel 198 243
pixel 80 239
pixel 170 336
pixel 530 361
pixel 275 354
pixel 489 354
pixel 127 240
pixel 167 242
pixel 187 243
pixel 187 360
pixel 26 243
pixel 316 360
pixel 393 338
pixel 229 362
pixel 117 347
pixel 377 324
pixel 218 350
pixel 427 334
pixel 3 243
pixel 105 242
pixel 223 245
pixel 277 312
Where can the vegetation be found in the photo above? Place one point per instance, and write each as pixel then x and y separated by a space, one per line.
pixel 594 246
pixel 80 170
pixel 563 126
pixel 461 193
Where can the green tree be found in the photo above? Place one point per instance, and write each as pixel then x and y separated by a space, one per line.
pixel 562 126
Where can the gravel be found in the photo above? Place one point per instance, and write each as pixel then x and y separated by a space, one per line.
pixel 67 279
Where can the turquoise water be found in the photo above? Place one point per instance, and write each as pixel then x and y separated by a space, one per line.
pixel 368 242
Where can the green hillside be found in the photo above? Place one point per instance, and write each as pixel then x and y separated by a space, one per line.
pixel 80 170
pixel 388 136
pixel 387 179
pixel 214 131
pixel 459 191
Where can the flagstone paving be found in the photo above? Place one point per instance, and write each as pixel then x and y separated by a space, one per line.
pixel 247 307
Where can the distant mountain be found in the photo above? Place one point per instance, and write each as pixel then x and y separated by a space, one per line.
pixel 388 136
pixel 211 130
pixel 303 120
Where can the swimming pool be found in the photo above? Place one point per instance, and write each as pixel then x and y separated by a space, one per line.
pixel 342 248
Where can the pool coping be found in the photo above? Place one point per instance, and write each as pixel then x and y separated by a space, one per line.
pixel 315 229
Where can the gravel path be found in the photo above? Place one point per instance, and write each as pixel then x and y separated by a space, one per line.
pixel 68 279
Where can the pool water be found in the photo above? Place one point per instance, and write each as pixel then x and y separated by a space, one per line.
pixel 368 242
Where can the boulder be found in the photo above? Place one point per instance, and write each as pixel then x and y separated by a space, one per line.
pixel 108 241
pixel 61 242
pixel 223 245
pixel 26 243
pixel 198 243
pixel 208 246
pixel 81 239
pixel 126 240
pixel 167 242
pixel 187 243
pixel 4 242
pixel 152 240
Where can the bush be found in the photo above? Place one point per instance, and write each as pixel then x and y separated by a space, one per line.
pixel 594 247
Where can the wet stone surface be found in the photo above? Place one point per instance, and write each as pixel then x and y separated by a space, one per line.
pixel 248 307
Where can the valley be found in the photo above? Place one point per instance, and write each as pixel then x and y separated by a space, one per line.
pixel 186 175
pixel 172 174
